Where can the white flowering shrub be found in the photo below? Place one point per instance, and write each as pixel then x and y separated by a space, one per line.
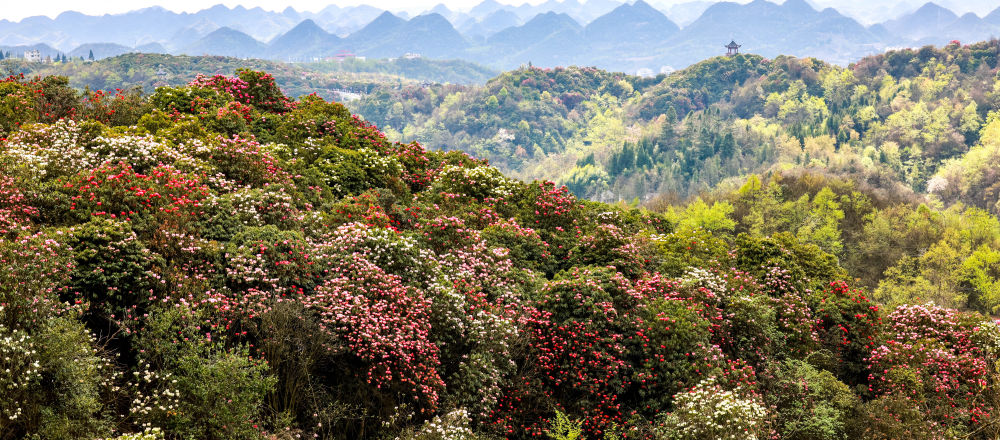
pixel 19 372
pixel 50 150
pixel 701 278
pixel 51 380
pixel 66 147
pixel 710 412
pixel 146 434
pixel 152 392
pixel 454 425
pixel 480 182
pixel 398 254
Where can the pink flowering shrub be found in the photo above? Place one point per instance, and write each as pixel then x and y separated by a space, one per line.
pixel 930 357
pixel 15 212
pixel 385 325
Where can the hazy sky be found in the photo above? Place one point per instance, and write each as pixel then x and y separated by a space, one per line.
pixel 16 10
pixel 19 9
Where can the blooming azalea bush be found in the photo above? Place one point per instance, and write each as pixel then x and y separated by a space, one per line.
pixel 709 411
pixel 930 356
pixel 220 261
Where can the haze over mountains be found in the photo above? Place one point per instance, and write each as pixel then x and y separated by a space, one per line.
pixel 631 37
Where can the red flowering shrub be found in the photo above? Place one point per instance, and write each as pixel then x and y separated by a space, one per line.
pixel 244 161
pixel 673 350
pixel 847 325
pixel 117 191
pixel 123 108
pixel 35 275
pixel 577 345
pixel 16 105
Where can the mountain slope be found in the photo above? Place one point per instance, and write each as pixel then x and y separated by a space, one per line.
pixel 548 39
pixel 768 29
pixel 228 42
pixel 928 21
pixel 390 36
pixel 637 23
pixel 304 41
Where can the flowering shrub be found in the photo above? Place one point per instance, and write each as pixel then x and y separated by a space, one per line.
pixel 15 212
pixel 147 434
pixel 112 269
pixel 811 402
pixel 52 379
pixel 673 348
pixel 930 356
pixel 123 108
pixel 454 425
pixel 709 411
pixel 384 324
pixel 848 323
pixel 218 261
pixel 16 105
pixel 21 373
pixel 480 183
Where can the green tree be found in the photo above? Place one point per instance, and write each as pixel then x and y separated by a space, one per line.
pixel 822 226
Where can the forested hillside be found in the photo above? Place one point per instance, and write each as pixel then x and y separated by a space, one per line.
pixel 326 79
pixel 218 261
pixel 899 117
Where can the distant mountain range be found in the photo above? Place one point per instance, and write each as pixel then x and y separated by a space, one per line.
pixel 632 37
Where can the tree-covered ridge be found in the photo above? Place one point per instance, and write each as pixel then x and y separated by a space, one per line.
pixel 325 79
pixel 890 117
pixel 217 260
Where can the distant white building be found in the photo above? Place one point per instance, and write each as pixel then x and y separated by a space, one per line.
pixel 645 72
pixel 411 56
pixel 33 56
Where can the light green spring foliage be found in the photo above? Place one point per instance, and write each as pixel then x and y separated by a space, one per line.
pixel 562 428
pixel 698 214
pixel 905 252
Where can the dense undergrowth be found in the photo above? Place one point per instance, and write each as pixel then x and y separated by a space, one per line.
pixel 217 261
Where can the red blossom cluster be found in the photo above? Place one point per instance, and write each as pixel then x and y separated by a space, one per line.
pixel 117 191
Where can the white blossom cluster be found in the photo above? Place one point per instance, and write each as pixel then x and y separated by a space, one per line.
pixel 698 277
pixel 146 434
pixel 141 152
pixel 19 371
pixel 708 411
pixel 154 392
pixel 51 148
pixel 58 149
pixel 378 164
pixel 389 250
pixel 454 425
pixel 487 180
